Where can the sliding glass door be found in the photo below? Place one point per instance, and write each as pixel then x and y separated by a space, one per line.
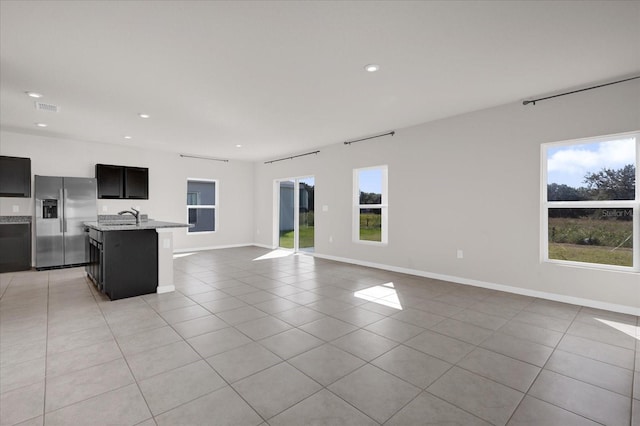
pixel 296 214
pixel 306 229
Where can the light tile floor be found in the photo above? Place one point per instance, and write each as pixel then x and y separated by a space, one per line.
pixel 295 340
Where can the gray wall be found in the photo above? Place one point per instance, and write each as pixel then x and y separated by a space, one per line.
pixel 470 182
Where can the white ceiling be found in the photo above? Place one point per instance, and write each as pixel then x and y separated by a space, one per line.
pixel 286 77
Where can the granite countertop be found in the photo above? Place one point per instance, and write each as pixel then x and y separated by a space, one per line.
pixel 15 219
pixel 131 226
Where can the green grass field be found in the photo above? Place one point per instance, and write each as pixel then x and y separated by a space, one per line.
pixel 591 240
pixel 591 254
pixel 370 227
pixel 306 238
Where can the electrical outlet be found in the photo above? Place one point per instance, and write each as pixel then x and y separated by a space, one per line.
pixel 105 208
pixel 16 208
pixel 325 208
pixel 330 238
pixel 166 243
pixel 460 254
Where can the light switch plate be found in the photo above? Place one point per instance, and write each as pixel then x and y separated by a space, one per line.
pixel 166 243
pixel 325 208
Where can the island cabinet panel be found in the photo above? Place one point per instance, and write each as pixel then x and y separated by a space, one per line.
pixel 124 263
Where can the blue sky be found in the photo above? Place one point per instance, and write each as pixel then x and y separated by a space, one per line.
pixel 570 163
pixel 370 180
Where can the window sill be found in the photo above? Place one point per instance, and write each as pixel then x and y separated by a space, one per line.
pixel 591 266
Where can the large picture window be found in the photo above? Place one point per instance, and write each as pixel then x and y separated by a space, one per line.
pixel 591 203
pixel 201 205
pixel 370 205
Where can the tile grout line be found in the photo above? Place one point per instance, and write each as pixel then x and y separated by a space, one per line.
pixel 124 358
pixel 544 368
pixel 46 352
pixel 327 282
pixel 210 366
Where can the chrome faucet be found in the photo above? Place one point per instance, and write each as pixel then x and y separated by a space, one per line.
pixel 135 213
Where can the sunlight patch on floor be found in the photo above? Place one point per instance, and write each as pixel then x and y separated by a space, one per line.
pixel 179 255
pixel 629 330
pixel 384 294
pixel 275 254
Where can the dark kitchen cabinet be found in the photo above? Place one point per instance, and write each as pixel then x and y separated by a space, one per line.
pixel 123 263
pixel 110 181
pixel 122 182
pixel 136 183
pixel 15 177
pixel 15 247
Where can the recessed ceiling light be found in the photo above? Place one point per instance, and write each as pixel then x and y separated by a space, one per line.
pixel 41 124
pixel 372 67
pixel 238 146
pixel 33 94
pixel 127 137
pixel 143 115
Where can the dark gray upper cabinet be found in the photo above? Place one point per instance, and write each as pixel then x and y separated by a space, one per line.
pixel 110 181
pixel 136 183
pixel 122 182
pixel 15 177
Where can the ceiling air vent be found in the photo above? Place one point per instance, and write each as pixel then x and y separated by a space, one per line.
pixel 41 106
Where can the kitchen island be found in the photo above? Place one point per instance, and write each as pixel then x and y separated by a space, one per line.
pixel 128 259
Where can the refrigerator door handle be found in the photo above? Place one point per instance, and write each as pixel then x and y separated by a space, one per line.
pixel 61 211
pixel 64 219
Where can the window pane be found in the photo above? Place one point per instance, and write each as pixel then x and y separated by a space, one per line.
pixel 594 171
pixel 370 185
pixel 603 236
pixel 201 193
pixel 371 224
pixel 203 219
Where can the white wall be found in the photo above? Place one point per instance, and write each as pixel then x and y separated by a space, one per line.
pixel 168 175
pixel 471 182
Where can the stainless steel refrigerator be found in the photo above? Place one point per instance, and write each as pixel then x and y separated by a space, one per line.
pixel 63 204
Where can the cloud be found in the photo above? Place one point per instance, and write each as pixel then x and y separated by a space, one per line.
pixel 582 159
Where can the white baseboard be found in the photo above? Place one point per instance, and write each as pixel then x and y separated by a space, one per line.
pixel 493 286
pixel 264 246
pixel 188 250
pixel 166 289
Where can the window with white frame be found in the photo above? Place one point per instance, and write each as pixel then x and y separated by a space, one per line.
pixel 370 205
pixel 202 203
pixel 591 203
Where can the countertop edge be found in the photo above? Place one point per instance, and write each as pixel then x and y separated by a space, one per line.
pixel 152 224
pixel 15 219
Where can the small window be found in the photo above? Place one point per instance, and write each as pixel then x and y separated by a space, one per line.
pixel 590 202
pixel 201 205
pixel 370 205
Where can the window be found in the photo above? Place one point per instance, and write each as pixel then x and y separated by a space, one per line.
pixel 370 205
pixel 591 203
pixel 201 205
